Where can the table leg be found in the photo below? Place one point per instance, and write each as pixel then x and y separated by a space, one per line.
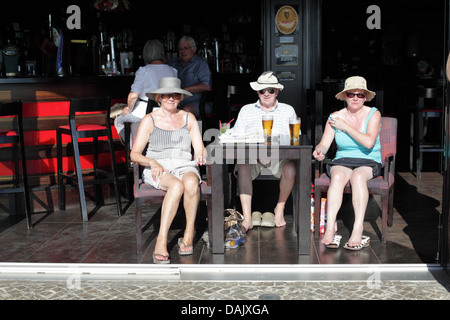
pixel 217 203
pixel 304 202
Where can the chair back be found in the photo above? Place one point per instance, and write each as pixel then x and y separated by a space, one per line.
pixel 388 137
pixel 87 105
pixel 11 109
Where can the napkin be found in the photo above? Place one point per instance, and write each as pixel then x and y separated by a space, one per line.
pixel 231 137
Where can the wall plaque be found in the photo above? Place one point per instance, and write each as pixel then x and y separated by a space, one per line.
pixel 286 55
pixel 286 20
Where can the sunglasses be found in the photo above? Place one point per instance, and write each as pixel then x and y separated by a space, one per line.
pixel 271 91
pixel 175 96
pixel 352 95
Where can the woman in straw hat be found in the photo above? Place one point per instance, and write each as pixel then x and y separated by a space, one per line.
pixel 170 133
pixel 355 129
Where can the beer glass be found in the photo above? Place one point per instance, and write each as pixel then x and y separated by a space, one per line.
pixel 267 123
pixel 294 128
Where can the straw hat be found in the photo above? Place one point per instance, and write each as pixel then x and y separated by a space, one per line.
pixel 266 80
pixel 168 85
pixel 354 83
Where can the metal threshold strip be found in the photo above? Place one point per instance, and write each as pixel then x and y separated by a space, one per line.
pixel 218 273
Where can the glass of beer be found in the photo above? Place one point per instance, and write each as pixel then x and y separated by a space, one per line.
pixel 294 128
pixel 267 123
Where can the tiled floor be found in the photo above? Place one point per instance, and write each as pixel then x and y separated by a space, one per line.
pixel 61 237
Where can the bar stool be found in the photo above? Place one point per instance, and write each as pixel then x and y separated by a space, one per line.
pixel 87 126
pixel 429 105
pixel 11 132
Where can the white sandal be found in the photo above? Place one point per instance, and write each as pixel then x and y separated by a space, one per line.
pixel 335 243
pixel 365 242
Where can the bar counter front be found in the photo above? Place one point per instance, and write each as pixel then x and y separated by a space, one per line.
pixel 46 103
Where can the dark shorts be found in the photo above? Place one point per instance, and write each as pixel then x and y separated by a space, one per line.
pixel 355 163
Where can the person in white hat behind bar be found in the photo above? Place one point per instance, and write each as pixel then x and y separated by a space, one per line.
pixel 170 134
pixel 249 121
pixel 355 129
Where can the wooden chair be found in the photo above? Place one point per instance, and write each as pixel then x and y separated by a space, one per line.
pixel 383 185
pixel 87 126
pixel 11 132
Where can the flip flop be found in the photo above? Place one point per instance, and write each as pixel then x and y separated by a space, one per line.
pixel 365 242
pixel 256 218
pixel 335 243
pixel 268 220
pixel 159 261
pixel 186 252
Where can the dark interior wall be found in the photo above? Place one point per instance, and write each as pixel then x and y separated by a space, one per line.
pixel 411 31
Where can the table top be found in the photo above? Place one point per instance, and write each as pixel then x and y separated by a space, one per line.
pixel 276 149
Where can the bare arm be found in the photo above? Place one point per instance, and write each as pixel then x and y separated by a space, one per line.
pixel 325 143
pixel 140 141
pixel 197 142
pixel 131 101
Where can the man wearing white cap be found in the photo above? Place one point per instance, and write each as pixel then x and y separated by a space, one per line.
pixel 250 121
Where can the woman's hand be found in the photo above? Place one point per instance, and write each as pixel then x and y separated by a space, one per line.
pixel 157 170
pixel 200 157
pixel 125 111
pixel 319 153
pixel 338 123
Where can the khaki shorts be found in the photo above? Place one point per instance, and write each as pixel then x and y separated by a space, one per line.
pixel 273 168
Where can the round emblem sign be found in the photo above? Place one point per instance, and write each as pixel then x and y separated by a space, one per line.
pixel 286 20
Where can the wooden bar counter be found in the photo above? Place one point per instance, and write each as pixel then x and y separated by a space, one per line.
pixel 46 103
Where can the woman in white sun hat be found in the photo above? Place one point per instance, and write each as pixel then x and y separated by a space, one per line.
pixel 355 129
pixel 170 134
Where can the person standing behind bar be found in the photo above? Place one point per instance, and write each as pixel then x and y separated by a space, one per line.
pixel 194 74
pixel 146 80
pixel 250 121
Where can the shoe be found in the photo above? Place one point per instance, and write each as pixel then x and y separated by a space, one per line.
pixel 184 252
pixel 268 220
pixel 160 261
pixel 365 242
pixel 335 243
pixel 256 218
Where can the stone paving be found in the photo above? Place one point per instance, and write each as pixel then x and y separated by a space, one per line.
pixel 206 290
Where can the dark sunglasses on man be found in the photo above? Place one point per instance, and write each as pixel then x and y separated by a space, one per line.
pixel 271 91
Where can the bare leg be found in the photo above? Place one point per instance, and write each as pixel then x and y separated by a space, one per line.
pixel 360 198
pixel 190 201
pixel 339 178
pixel 286 184
pixel 175 189
pixel 245 185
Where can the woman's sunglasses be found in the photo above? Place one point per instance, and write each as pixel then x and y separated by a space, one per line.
pixel 271 91
pixel 175 96
pixel 352 95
